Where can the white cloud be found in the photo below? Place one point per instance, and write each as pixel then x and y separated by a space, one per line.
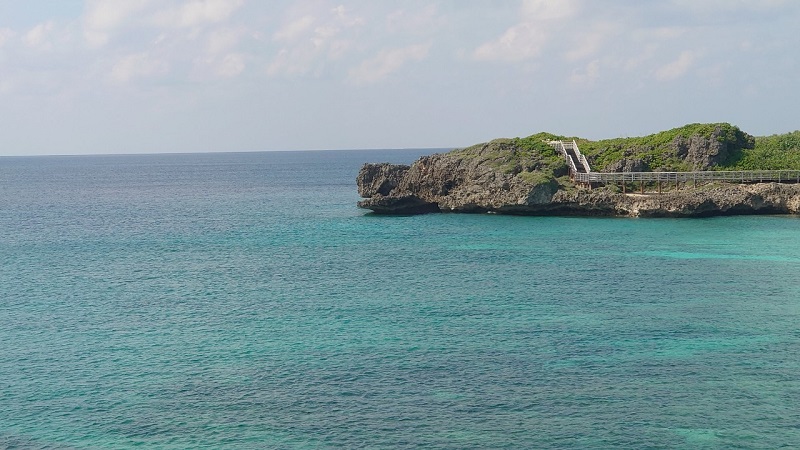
pixel 138 65
pixel 718 6
pixel 421 20
pixel 102 18
pixel 587 76
pixel 644 54
pixel 386 62
pixel 290 62
pixel 6 87
pixel 310 41
pixel 108 54
pixel 196 13
pixel 676 68
pixel 222 40
pixel 518 43
pixel 587 43
pixel 666 33
pixel 344 18
pixel 39 37
pixel 545 10
pixel 295 29
pixel 231 65
pixel 106 15
pixel 222 57
pixel 6 34
pixel 541 20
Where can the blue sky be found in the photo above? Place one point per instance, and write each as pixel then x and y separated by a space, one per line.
pixel 143 76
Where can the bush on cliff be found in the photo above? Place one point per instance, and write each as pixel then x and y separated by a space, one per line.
pixel 530 158
pixel 695 146
pixel 710 146
pixel 776 152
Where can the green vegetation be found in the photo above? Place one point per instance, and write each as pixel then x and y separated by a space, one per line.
pixel 535 178
pixel 661 151
pixel 776 152
pixel 537 144
pixel 530 158
pixel 533 160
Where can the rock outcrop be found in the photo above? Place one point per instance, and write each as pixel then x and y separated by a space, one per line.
pixel 439 193
pixel 706 152
pixel 513 176
pixel 483 179
pixel 628 165
pixel 711 200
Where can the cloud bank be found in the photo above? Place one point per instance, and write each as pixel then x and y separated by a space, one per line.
pixel 481 69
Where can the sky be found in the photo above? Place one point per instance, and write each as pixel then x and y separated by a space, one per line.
pixel 150 76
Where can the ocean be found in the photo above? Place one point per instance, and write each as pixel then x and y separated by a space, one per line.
pixel 243 301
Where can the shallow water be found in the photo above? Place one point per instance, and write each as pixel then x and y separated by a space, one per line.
pixel 242 301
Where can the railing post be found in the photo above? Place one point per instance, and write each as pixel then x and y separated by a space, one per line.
pixel 697 177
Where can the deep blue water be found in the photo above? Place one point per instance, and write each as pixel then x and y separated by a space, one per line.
pixel 243 301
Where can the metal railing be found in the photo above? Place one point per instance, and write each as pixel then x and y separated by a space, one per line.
pixel 741 176
pixel 563 147
pixel 559 146
pixel 581 158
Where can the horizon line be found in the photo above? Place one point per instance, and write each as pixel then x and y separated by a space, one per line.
pixel 212 152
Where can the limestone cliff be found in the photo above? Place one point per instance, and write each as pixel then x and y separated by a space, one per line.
pixel 526 176
pixel 712 200
pixel 687 148
pixel 500 176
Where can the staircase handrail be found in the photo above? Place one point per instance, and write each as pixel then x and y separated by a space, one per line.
pixel 559 145
pixel 742 176
pixel 581 158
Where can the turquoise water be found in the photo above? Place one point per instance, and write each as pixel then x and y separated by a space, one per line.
pixel 242 301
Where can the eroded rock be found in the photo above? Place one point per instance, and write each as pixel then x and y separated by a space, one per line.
pixel 492 178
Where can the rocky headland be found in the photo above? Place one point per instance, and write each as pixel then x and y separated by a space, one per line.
pixel 528 177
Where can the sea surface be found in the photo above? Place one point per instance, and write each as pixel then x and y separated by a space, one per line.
pixel 243 301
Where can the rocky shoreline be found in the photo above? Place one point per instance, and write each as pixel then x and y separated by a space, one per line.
pixel 474 182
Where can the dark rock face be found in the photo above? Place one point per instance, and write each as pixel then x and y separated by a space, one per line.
pixel 473 182
pixel 439 184
pixel 763 198
pixel 400 205
pixel 628 165
pixel 449 182
pixel 380 179
pixel 703 153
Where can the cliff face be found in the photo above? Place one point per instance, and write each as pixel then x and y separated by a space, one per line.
pixel 761 198
pixel 526 177
pixel 437 183
pixel 703 153
pixel 484 178
pixel 691 147
pixel 426 189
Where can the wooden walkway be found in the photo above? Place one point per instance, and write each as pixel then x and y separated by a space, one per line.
pixel 580 172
